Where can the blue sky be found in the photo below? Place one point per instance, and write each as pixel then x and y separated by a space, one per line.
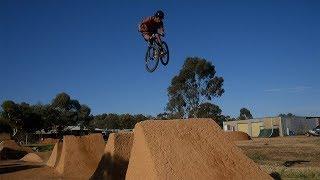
pixel 268 52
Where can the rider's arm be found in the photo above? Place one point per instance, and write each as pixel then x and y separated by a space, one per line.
pixel 161 29
pixel 143 26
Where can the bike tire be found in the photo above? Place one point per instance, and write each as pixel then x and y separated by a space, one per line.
pixel 148 58
pixel 165 60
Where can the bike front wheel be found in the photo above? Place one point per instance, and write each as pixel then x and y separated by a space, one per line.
pixel 152 59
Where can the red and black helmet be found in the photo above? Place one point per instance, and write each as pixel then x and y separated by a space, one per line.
pixel 159 14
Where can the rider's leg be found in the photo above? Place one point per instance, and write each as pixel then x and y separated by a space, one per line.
pixel 147 37
pixel 159 42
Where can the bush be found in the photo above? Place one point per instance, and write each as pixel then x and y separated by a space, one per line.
pixel 5 126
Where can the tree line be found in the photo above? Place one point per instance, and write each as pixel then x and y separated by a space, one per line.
pixel 190 95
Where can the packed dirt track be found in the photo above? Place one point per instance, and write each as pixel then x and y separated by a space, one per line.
pixel 172 149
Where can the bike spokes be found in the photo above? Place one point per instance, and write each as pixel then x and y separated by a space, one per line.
pixel 165 54
pixel 152 59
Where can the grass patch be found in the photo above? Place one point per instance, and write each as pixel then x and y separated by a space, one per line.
pixel 42 147
pixel 317 141
pixel 299 174
pixel 256 157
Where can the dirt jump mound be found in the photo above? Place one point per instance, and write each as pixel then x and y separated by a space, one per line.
pixel 49 141
pixel 55 155
pixel 79 156
pixel 237 136
pixel 9 149
pixel 114 162
pixel 32 157
pixel 187 149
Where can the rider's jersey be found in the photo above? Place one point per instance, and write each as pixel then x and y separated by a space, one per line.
pixel 151 25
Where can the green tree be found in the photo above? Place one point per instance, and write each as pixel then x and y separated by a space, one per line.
pixel 70 112
pixel 287 115
pixel 30 119
pixel 195 84
pixel 245 114
pixel 208 110
pixel 163 116
pixel 11 111
pixel 5 126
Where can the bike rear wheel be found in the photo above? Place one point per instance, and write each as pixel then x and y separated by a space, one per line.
pixel 152 59
pixel 165 58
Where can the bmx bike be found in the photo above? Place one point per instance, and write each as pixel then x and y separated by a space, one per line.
pixel 156 51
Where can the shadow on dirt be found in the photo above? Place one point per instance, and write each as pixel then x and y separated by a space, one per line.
pixel 275 176
pixel 110 168
pixel 291 163
pixel 16 167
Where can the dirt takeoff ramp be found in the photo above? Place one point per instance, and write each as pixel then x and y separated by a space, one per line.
pixel 55 155
pixel 237 136
pixel 80 156
pixel 114 162
pixel 187 149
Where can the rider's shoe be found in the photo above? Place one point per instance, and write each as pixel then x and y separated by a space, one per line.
pixel 155 55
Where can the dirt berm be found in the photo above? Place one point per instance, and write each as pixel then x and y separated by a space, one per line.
pixel 79 156
pixel 187 149
pixel 237 136
pixel 9 149
pixel 114 162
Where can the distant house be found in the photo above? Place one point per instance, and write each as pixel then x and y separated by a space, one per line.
pixel 273 126
pixel 68 130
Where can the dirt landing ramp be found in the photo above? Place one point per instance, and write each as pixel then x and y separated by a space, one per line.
pixel 237 136
pixel 187 149
pixel 80 156
pixel 55 155
pixel 114 162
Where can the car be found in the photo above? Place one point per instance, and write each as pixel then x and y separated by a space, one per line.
pixel 314 132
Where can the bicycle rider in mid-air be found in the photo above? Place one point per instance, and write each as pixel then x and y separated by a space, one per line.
pixel 151 27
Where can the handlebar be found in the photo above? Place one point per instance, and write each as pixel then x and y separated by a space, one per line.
pixel 162 35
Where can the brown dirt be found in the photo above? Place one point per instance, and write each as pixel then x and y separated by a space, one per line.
pixel 55 155
pixel 187 149
pixel 13 145
pixel 17 170
pixel 237 136
pixel 9 149
pixel 49 141
pixel 114 162
pixel 80 156
pixel 4 136
pixel 44 155
pixel 32 157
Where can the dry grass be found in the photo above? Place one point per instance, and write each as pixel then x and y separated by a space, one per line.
pixel 288 157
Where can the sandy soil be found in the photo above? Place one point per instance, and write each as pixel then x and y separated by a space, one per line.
pixel 49 141
pixel 114 162
pixel 32 157
pixel 16 170
pixel 187 149
pixel 237 135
